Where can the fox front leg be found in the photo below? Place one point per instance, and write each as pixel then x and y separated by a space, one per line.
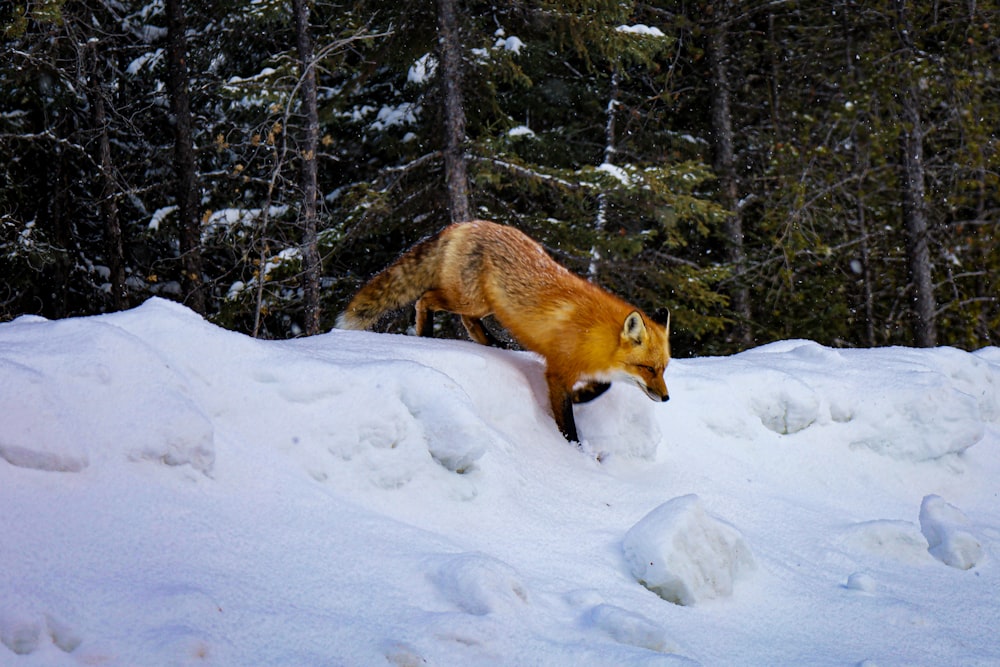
pixel 562 408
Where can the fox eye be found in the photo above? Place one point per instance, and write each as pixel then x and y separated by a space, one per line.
pixel 648 369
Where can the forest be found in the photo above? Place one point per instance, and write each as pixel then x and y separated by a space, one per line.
pixel 767 169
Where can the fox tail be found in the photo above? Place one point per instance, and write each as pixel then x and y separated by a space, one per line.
pixel 400 284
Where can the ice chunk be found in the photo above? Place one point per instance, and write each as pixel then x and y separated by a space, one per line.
pixel 685 555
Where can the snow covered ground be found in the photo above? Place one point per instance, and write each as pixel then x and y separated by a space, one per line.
pixel 172 493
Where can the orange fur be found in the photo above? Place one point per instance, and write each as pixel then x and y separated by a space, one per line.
pixel 475 269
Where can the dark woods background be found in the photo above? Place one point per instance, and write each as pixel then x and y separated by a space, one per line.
pixel 824 169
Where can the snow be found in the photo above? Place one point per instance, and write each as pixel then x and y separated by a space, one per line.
pixel 147 60
pixel 386 116
pixel 391 116
pixel 228 219
pixel 641 29
pixel 684 555
pixel 422 70
pixel 617 172
pixel 264 74
pixel 512 43
pixel 521 131
pixel 945 527
pixel 174 493
pixel 159 215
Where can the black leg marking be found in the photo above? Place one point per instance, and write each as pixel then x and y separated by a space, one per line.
pixel 479 333
pixel 491 339
pixel 567 424
pixel 590 391
pixel 425 324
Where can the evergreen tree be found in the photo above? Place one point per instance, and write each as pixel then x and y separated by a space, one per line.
pixel 543 89
pixel 738 162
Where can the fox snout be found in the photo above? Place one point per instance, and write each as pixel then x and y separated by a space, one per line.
pixel 654 394
pixel 656 397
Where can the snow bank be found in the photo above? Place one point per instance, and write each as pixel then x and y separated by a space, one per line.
pixel 174 493
pixel 119 398
pixel 926 405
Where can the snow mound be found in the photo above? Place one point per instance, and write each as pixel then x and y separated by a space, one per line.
pixel 919 419
pixel 784 404
pixel 861 582
pixel 928 405
pixel 118 399
pixel 948 536
pixel 175 493
pixel 685 555
pixel 623 424
pixel 424 424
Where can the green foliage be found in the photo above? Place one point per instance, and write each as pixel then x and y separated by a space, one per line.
pixel 16 17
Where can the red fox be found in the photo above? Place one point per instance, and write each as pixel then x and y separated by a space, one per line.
pixel 587 336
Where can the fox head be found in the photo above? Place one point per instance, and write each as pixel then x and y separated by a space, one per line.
pixel 643 354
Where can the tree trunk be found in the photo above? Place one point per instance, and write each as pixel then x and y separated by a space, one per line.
pixel 609 158
pixel 310 250
pixel 450 55
pixel 185 175
pixel 914 204
pixel 868 295
pixel 861 165
pixel 915 220
pixel 113 244
pixel 725 170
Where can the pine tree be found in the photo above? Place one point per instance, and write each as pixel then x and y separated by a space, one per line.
pixel 184 167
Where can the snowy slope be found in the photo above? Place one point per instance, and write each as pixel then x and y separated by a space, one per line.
pixel 173 493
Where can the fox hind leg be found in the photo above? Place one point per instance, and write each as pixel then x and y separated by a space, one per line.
pixel 425 319
pixel 479 333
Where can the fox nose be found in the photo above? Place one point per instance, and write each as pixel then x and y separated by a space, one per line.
pixel 653 394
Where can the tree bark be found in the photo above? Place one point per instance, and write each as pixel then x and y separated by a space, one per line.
pixel 185 168
pixel 450 56
pixel 915 221
pixel 861 165
pixel 914 204
pixel 114 247
pixel 311 267
pixel 600 223
pixel 725 170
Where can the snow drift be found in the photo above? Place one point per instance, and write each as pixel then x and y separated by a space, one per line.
pixel 174 493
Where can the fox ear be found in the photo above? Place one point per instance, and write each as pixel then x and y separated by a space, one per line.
pixel 634 330
pixel 661 316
